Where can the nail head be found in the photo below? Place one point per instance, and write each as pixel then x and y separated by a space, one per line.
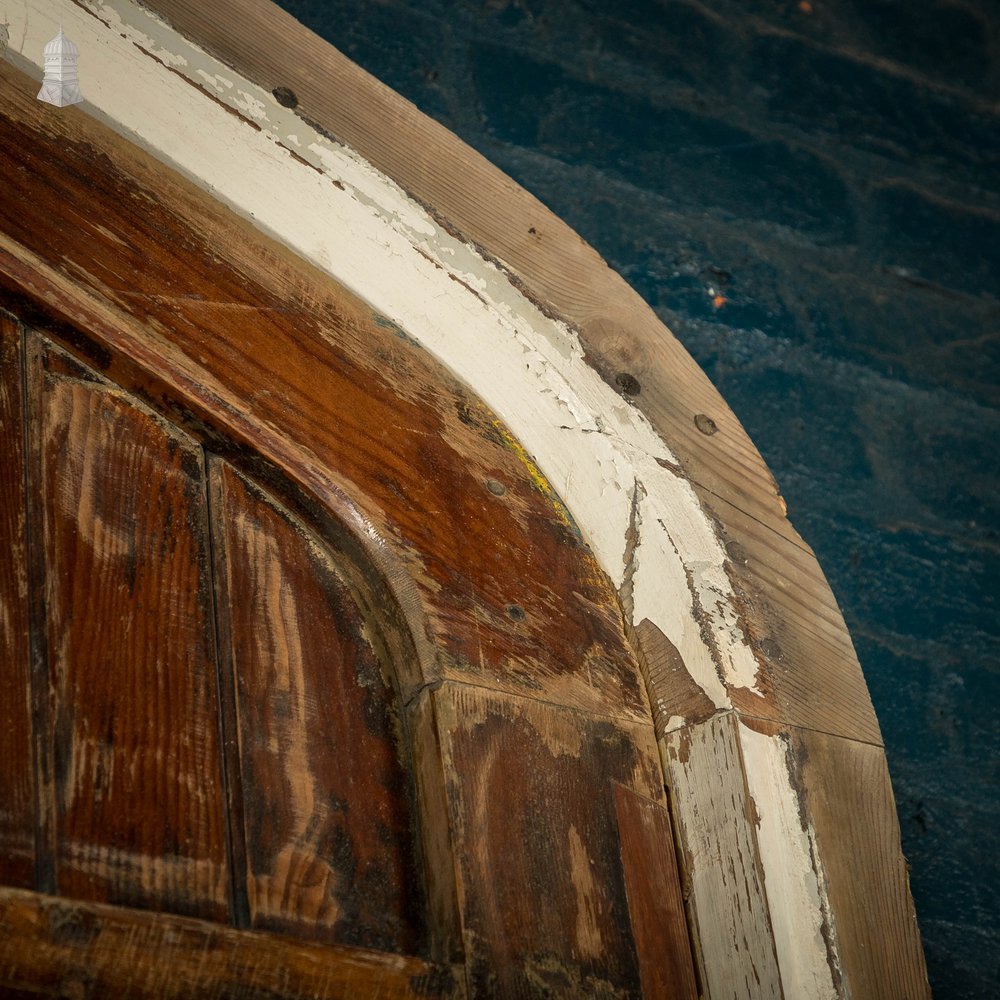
pixel 705 424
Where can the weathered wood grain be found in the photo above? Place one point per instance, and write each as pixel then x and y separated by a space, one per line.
pixel 656 903
pixel 327 796
pixel 132 657
pixel 675 698
pixel 531 790
pixel 846 791
pixel 798 634
pixel 619 331
pixel 437 840
pixel 296 381
pixel 277 367
pixel 17 771
pixel 62 948
pixel 720 861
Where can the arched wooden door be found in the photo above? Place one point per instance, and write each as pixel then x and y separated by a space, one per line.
pixel 310 686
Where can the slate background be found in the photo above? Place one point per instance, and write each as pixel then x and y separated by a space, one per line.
pixel 833 170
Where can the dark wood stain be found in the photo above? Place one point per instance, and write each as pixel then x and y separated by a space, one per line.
pixel 132 662
pixel 276 646
pixel 655 900
pixel 17 772
pixel 328 828
pixel 244 338
pixel 532 786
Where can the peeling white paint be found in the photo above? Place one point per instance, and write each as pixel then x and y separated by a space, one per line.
pixel 796 896
pixel 338 212
pixel 529 368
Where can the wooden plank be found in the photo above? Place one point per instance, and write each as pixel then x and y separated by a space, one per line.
pixel 321 392
pixel 675 697
pixel 54 947
pixel 798 634
pixel 531 791
pixel 17 769
pixel 795 880
pixel 199 357
pixel 132 658
pixel 846 791
pixel 327 796
pixel 656 903
pixel 720 860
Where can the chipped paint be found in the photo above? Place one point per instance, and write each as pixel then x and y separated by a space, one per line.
pixel 530 369
pixel 793 881
pixel 579 441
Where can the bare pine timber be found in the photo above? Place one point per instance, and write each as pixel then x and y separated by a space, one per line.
pixel 795 627
pixel 848 795
pixel 131 650
pixel 66 948
pixel 17 771
pixel 319 732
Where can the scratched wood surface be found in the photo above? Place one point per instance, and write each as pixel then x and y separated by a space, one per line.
pixel 66 948
pixel 618 329
pixel 279 367
pixel 525 702
pixel 619 332
pixel 17 772
pixel 810 669
pixel 656 901
pixel 546 859
pixel 326 799
pixel 138 787
pixel 719 857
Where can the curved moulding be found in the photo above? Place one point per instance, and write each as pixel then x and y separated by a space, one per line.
pixel 784 816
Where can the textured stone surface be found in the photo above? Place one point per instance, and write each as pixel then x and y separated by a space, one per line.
pixel 832 170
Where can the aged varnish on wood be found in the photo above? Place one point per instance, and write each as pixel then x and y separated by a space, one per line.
pixel 314 688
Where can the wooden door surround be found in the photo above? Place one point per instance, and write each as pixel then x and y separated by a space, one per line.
pixel 310 685
pixel 487 470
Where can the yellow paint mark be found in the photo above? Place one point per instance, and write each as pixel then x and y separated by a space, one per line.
pixel 538 480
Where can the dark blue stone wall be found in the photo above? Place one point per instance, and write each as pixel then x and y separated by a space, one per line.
pixel 832 171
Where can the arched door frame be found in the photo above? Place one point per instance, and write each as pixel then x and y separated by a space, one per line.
pixel 765 728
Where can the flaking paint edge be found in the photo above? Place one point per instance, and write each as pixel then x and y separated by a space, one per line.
pixel 146 81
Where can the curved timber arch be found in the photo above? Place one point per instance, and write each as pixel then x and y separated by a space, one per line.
pixel 742 675
pixel 154 391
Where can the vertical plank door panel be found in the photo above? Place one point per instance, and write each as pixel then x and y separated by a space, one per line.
pixel 326 798
pixel 655 899
pixel 531 787
pixel 131 649
pixel 17 785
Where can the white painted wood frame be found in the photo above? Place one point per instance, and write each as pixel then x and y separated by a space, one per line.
pixel 770 897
